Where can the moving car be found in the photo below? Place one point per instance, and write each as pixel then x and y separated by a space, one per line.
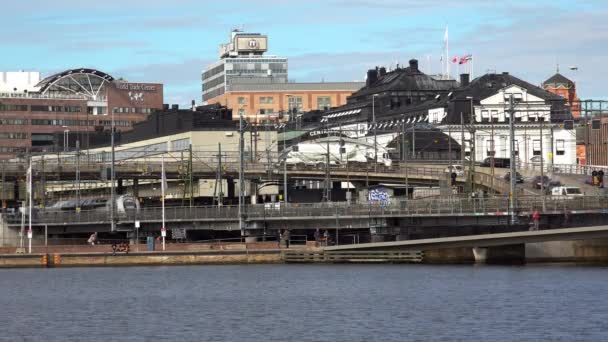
pixel 518 177
pixel 545 183
pixel 566 191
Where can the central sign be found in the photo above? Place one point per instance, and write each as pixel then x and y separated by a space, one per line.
pixel 135 86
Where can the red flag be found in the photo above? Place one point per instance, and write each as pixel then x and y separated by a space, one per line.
pixel 465 59
pixel 455 59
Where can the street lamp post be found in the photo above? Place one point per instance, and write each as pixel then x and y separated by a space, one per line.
pixel 471 178
pixel 112 176
pixel 66 138
pixel 284 164
pixel 375 131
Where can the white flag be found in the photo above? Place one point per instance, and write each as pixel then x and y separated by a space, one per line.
pixel 164 178
pixel 29 179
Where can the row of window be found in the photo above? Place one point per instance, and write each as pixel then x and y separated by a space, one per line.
pixel 246 71
pixel 65 109
pixel 132 110
pixel 61 122
pixel 295 102
pixel 258 60
pixel 13 135
pixel 560 147
pixel 13 122
pixel 119 123
pixel 6 149
pixel 12 108
pixel 210 73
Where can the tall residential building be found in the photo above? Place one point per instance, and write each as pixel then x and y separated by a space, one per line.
pixel 242 61
pixel 256 85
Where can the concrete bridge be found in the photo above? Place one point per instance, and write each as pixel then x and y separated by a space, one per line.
pixel 483 240
pixel 456 211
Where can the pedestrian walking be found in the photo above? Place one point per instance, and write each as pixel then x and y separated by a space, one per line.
pixel 600 178
pixel 326 237
pixel 317 237
pixel 535 219
pixel 594 177
pixel 92 239
pixel 286 236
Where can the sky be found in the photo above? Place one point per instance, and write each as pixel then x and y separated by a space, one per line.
pixel 333 40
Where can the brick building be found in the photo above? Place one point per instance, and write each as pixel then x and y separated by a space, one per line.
pixel 560 85
pixel 278 101
pixel 70 104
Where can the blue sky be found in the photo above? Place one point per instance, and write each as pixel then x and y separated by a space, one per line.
pixel 335 40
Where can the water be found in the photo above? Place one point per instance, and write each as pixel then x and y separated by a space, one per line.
pixel 305 303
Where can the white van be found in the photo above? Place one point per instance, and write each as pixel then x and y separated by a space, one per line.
pixel 567 191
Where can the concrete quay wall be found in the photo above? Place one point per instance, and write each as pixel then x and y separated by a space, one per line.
pixel 139 259
pixel 582 251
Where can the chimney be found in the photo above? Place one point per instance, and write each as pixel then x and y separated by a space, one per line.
pixel 414 65
pixel 175 107
pixel 165 106
pixel 193 106
pixel 382 71
pixel 464 80
pixel 372 77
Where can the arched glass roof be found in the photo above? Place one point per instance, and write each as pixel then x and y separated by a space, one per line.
pixel 83 82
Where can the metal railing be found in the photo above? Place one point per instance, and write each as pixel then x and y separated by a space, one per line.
pixel 423 207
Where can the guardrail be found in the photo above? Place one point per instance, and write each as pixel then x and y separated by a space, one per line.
pixel 422 207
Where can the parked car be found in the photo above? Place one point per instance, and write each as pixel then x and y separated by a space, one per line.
pixel 498 162
pixel 546 182
pixel 518 177
pixel 458 169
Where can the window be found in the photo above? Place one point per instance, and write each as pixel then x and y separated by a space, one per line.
pixel 241 100
pixel 560 147
pixel 295 104
pixel 485 116
pixel 490 148
pixel 323 102
pixel 536 147
pixel 267 100
pixel 494 115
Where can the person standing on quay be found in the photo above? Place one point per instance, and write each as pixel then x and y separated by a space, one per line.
pixel 535 218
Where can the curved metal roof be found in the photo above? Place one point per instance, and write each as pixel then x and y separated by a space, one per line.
pixel 49 81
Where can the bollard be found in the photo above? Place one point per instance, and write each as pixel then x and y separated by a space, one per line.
pixel 45 260
pixel 56 258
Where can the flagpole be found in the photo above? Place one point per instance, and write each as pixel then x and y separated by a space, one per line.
pixel 163 231
pixel 447 51
pixel 29 232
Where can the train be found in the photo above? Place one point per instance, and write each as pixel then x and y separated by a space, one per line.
pixel 123 204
